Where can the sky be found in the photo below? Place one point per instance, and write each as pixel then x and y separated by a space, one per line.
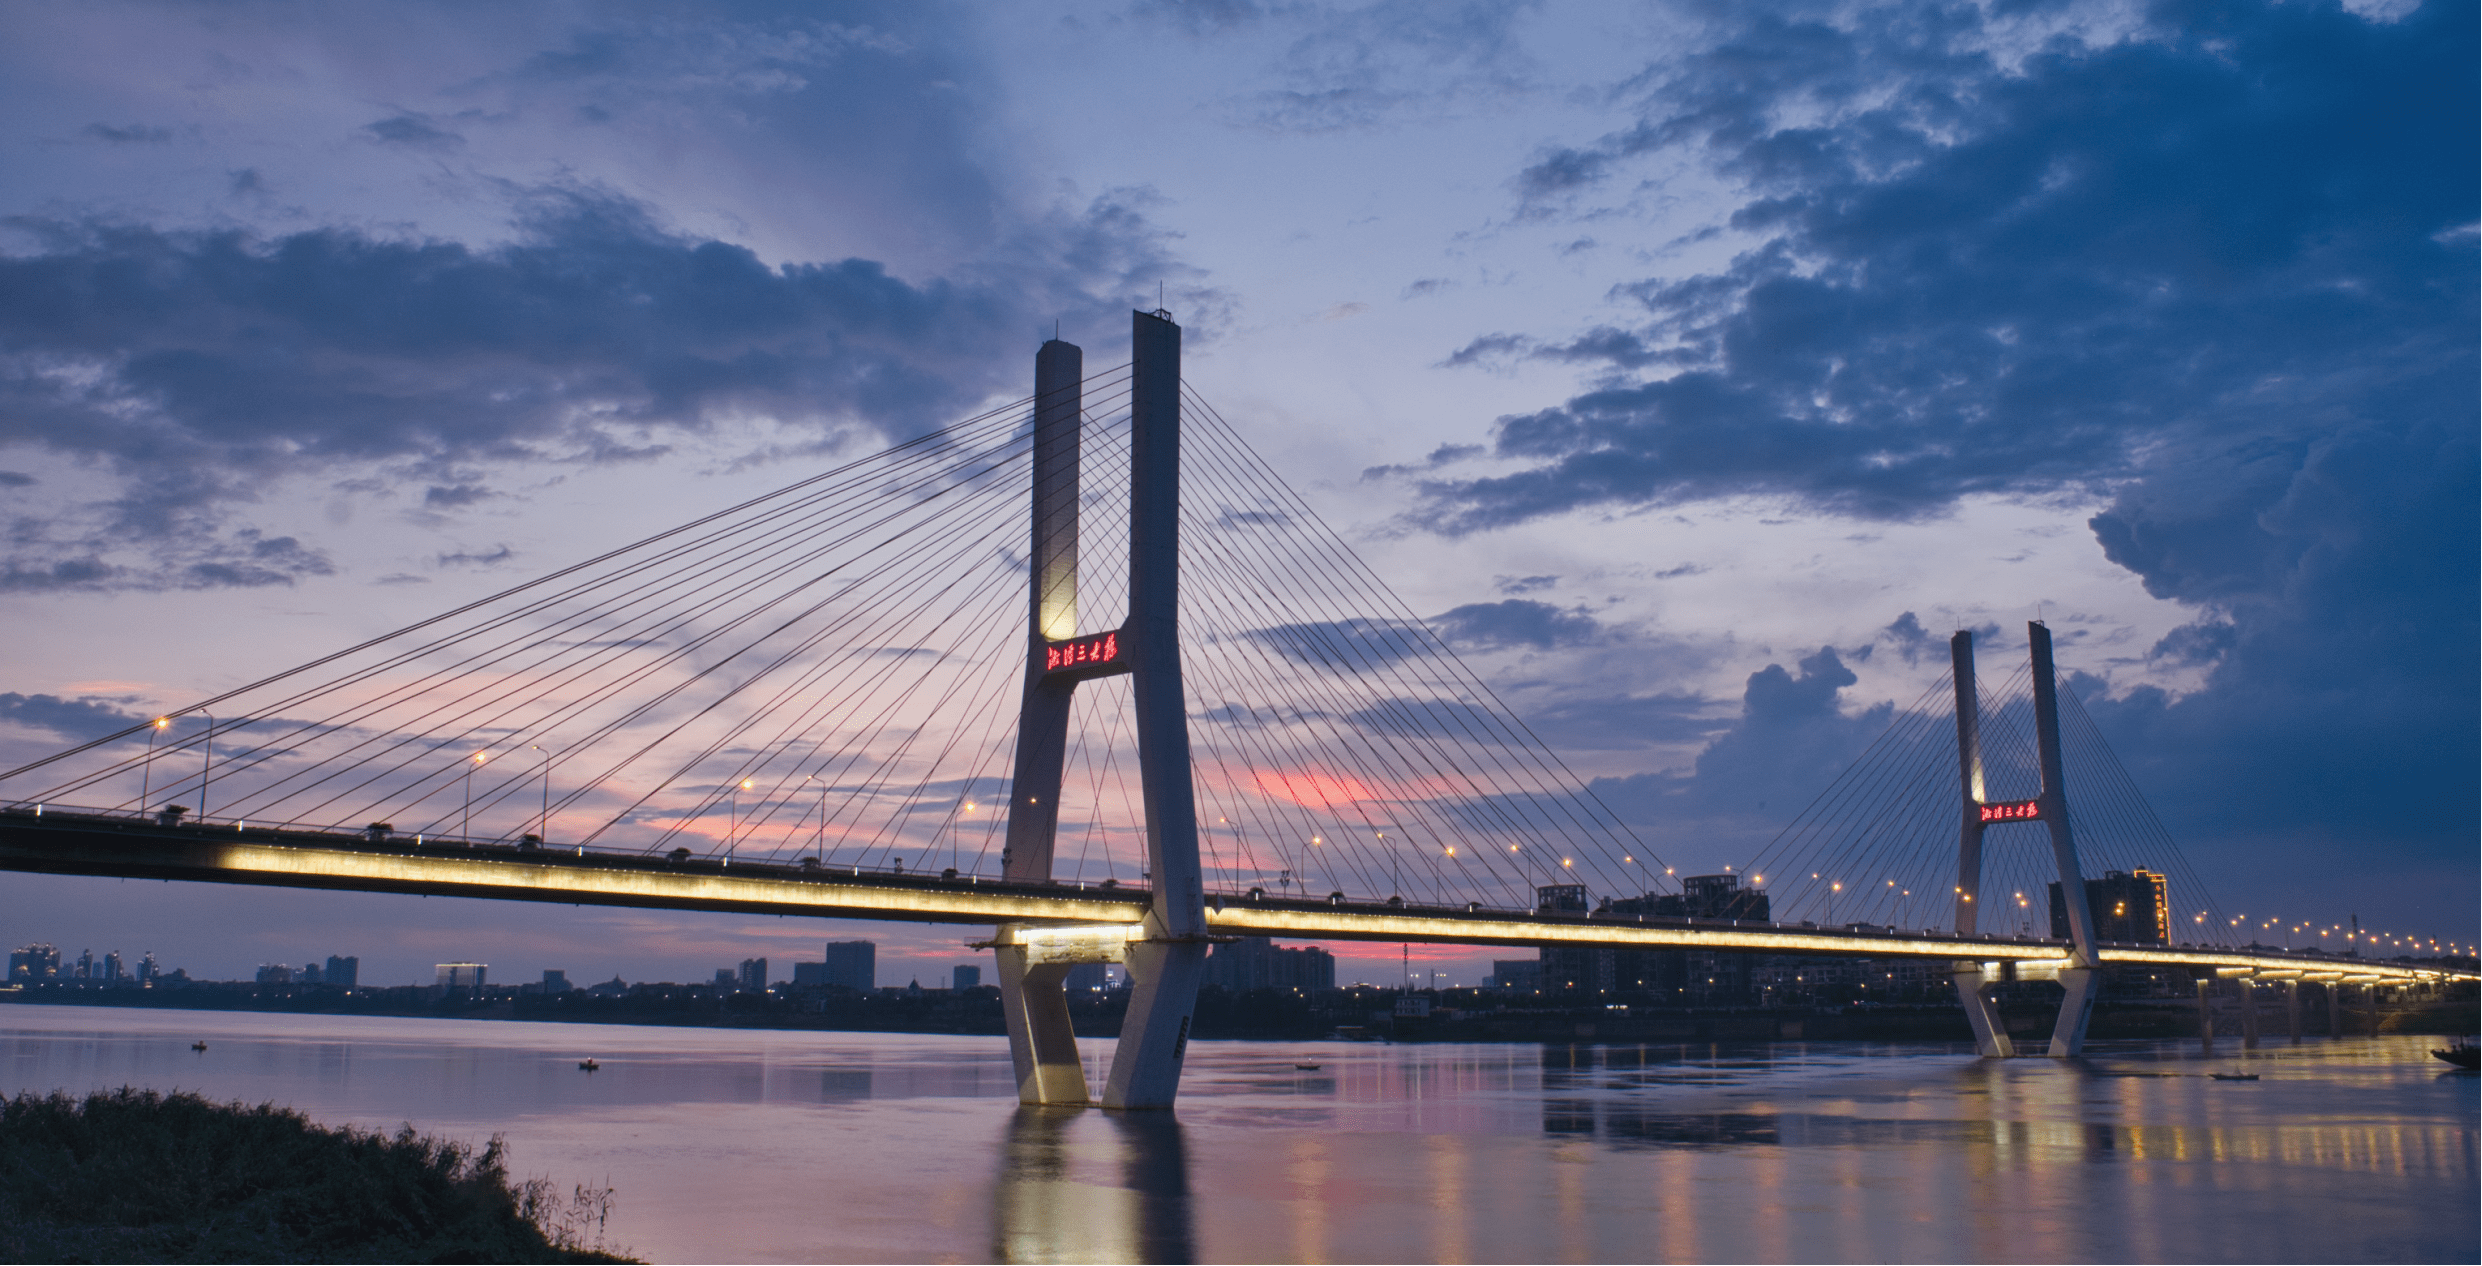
pixel 1696 367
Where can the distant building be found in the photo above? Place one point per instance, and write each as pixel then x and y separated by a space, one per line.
pixel 462 975
pixel 613 988
pixel 308 975
pixel 36 962
pixel 345 971
pixel 86 965
pixel 754 975
pixel 1255 962
pixel 727 979
pixel 1701 977
pixel 1088 978
pixel 112 973
pixel 149 971
pixel 2131 908
pixel 275 974
pixel 555 981
pixel 1516 973
pixel 965 976
pixel 851 965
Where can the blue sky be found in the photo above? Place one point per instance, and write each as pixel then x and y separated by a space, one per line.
pixel 1701 365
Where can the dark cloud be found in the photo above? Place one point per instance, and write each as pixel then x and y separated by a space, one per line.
pixel 83 718
pixel 1972 277
pixel 2219 273
pixel 1351 646
pixel 1523 584
pixel 198 366
pixel 415 131
pixel 133 134
pixel 1514 622
pixel 1790 741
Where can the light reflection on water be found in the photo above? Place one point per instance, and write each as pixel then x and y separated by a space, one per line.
pixel 753 1145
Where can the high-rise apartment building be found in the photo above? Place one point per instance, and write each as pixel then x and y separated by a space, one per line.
pixel 851 965
pixel 462 975
pixel 344 970
pixel 964 977
pixel 1255 962
pixel 36 962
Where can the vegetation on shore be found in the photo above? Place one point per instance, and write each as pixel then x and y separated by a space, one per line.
pixel 133 1175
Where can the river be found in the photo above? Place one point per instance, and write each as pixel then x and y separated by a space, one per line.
pixel 730 1145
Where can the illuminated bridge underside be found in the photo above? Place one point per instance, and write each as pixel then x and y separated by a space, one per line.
pixel 80 844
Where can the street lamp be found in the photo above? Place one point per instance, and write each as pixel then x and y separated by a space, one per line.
pixel 465 825
pixel 821 842
pixel 732 819
pixel 206 771
pixel 146 779
pixel 543 824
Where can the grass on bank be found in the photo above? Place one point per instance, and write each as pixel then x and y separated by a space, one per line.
pixel 133 1175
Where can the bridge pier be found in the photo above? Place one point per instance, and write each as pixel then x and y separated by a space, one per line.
pixel 2292 1008
pixel 2249 1012
pixel 1991 1040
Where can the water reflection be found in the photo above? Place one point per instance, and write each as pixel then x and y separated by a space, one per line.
pixel 1081 1184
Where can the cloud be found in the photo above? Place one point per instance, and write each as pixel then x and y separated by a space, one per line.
pixel 2211 272
pixel 1523 584
pixel 1791 739
pixel 1514 622
pixel 1968 277
pixel 132 134
pixel 1352 645
pixel 413 130
pixel 196 367
pixel 82 718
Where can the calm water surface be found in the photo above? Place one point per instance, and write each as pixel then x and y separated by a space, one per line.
pixel 768 1146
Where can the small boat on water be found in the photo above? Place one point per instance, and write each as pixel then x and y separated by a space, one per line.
pixel 1306 1068
pixel 2463 1054
pixel 2234 1076
pixel 588 1065
pixel 198 1046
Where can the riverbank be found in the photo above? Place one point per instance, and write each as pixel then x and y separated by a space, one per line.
pixel 135 1175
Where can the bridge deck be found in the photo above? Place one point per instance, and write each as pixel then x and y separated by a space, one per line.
pixel 79 843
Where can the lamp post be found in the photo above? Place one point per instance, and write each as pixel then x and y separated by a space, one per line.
pixel 543 824
pixel 206 771
pixel 465 825
pixel 146 779
pixel 819 841
pixel 732 818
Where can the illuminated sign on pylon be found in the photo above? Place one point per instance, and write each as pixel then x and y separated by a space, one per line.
pixel 2013 811
pixel 1096 651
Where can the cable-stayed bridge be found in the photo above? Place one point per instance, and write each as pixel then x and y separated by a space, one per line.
pixel 1084 670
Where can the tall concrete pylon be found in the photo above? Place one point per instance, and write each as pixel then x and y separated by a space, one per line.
pixel 1167 956
pixel 2077 978
pixel 1973 987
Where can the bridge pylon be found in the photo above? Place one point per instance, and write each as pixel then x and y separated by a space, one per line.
pixel 2077 979
pixel 1167 955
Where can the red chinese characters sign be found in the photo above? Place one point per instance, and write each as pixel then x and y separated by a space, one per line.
pixel 1081 652
pixel 2013 811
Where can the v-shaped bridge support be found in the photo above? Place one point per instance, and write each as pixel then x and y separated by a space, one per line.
pixel 1973 979
pixel 1165 958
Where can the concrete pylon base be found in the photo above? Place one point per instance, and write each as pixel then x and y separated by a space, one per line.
pixel 1041 1041
pixel 2068 1036
pixel 1991 1039
pixel 1154 1034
